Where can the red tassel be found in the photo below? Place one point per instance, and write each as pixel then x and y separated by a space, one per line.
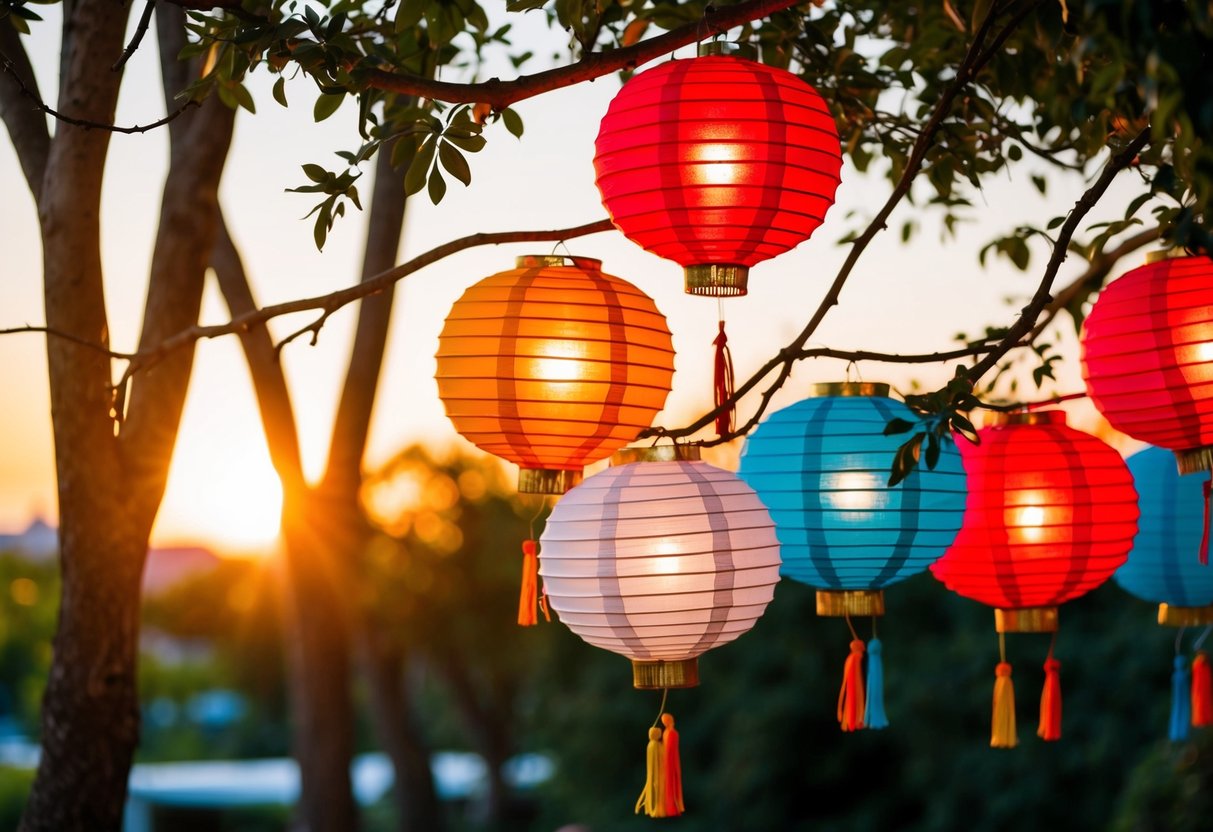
pixel 1202 691
pixel 1050 702
pixel 1204 540
pixel 671 770
pixel 527 600
pixel 723 382
pixel 851 697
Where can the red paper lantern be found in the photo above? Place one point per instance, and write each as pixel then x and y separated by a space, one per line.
pixel 1051 514
pixel 1147 357
pixel 717 163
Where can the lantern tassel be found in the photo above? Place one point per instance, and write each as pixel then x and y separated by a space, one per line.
pixel 528 593
pixel 1002 726
pixel 850 697
pixel 1049 729
pixel 1207 487
pixel 1202 691
pixel 650 801
pixel 1181 704
pixel 723 382
pixel 874 707
pixel 671 770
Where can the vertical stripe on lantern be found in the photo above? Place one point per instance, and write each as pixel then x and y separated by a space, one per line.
pixel 609 415
pixel 608 578
pixel 507 371
pixel 814 518
pixel 911 494
pixel 722 558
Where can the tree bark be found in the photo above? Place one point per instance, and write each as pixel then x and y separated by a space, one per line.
pixel 109 483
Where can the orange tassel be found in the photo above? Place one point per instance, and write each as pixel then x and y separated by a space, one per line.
pixel 723 382
pixel 671 769
pixel 1050 702
pixel 1202 691
pixel 527 595
pixel 851 697
pixel 650 801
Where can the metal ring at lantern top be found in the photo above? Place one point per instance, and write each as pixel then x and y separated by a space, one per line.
pixel 851 388
pixel 538 261
pixel 656 453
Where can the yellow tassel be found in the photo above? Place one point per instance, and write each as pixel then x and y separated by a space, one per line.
pixel 530 585
pixel 671 770
pixel 1002 726
pixel 650 801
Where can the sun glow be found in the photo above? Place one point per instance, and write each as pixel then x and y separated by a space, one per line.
pixel 223 495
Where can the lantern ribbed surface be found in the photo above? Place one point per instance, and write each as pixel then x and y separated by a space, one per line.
pixel 821 467
pixel 1051 514
pixel 1163 566
pixel 553 364
pixel 717 161
pixel 1147 353
pixel 659 561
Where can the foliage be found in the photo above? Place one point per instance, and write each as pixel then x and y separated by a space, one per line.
pixel 29 593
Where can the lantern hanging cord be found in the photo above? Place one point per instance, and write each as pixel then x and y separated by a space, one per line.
pixel 874 620
pixel 1002 647
pixel 665 692
pixel 567 252
pixel 1179 640
pixel 1052 644
pixel 853 365
pixel 543 503
pixel 847 616
pixel 1200 641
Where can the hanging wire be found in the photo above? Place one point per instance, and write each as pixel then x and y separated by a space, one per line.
pixel 1200 641
pixel 661 710
pixel 543 503
pixel 560 243
pixel 850 626
pixel 875 618
pixel 1179 638
pixel 1002 647
pixel 1052 643
pixel 853 365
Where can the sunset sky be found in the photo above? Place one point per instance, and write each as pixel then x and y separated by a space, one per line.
pixel 222 490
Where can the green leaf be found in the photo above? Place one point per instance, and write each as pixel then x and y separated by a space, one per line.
pixel 419 170
pixel 437 187
pixel 243 98
pixel 315 173
pixel 454 162
pixel 280 90
pixel 897 426
pixel 512 121
pixel 327 104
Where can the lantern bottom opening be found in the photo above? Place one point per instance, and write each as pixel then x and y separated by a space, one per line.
pixel 1026 620
pixel 1172 616
pixel 658 675
pixel 547 480
pixel 1195 460
pixel 717 280
pixel 859 602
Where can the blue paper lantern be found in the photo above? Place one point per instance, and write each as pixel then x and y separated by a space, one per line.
pixel 822 467
pixel 1164 564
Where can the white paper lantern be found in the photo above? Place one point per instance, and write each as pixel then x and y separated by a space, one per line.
pixel 660 558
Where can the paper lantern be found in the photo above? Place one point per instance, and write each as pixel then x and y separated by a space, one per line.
pixel 1051 514
pixel 1162 570
pixel 660 558
pixel 1147 356
pixel 822 466
pixel 553 365
pixel 717 163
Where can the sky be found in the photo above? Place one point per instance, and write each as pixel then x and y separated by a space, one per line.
pixel 222 491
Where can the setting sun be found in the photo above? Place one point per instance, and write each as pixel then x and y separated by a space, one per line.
pixel 225 496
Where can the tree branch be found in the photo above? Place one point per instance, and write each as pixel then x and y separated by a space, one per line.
pixel 974 60
pixel 67 336
pixel 329 303
pixel 501 94
pixel 137 38
pixel 1092 278
pixel 26 126
pixel 1027 318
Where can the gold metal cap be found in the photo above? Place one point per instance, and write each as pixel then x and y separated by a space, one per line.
pixel 659 675
pixel 858 602
pixel 1169 616
pixel 538 261
pixel 656 453
pixel 724 47
pixel 1166 254
pixel 851 388
pixel 1026 620
pixel 717 280
pixel 1194 460
pixel 547 480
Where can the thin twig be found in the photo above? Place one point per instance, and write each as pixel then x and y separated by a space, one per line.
pixel 67 336
pixel 137 38
pixel 8 67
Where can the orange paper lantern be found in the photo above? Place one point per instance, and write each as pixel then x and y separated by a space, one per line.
pixel 553 365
